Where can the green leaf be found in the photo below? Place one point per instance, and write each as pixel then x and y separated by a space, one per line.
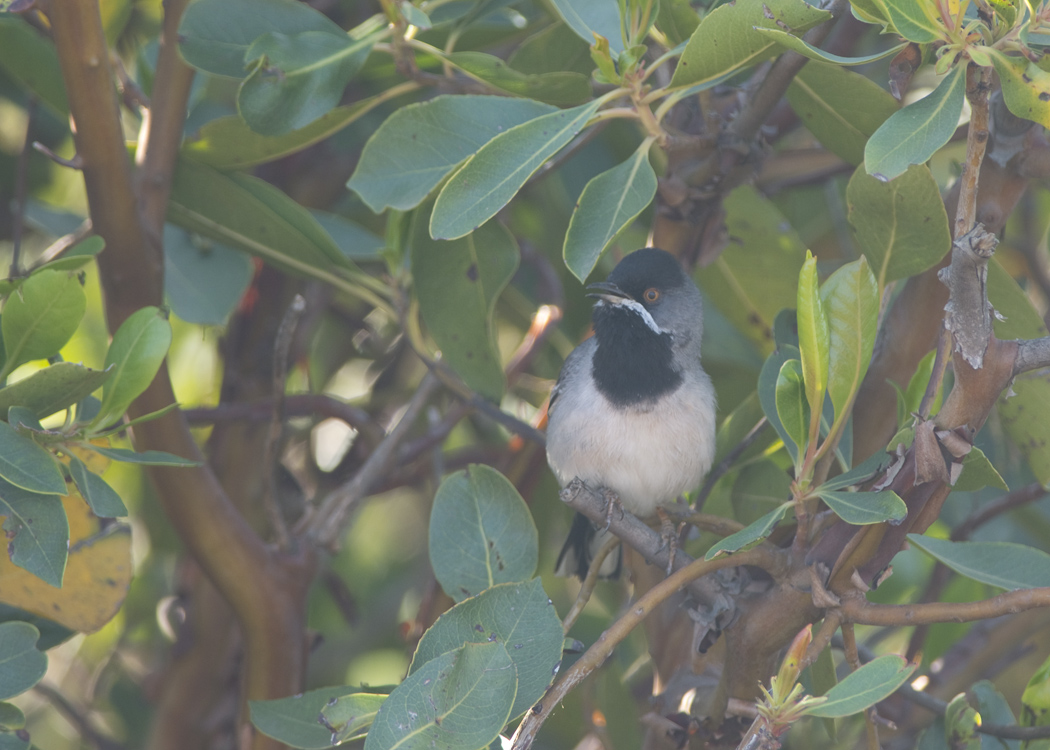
pixel 518 615
pixel 851 300
pixel 493 176
pixel 29 58
pixel 52 389
pixel 295 720
pixel 1026 420
pixel 296 78
pixel 865 687
pixel 1004 564
pixel 900 226
pixel 103 499
pixel 203 280
pixel 727 40
pixel 355 242
pixel 228 143
pixel 481 533
pixel 913 134
pixel 11 717
pixel 419 144
pixel 415 16
pixel 767 394
pixel 1022 320
pixel 862 508
pixel 917 388
pixel 978 473
pixel 1025 86
pixel 215 35
pixel 1035 699
pixel 607 206
pixel 960 724
pixel 814 335
pixel 457 284
pixel 760 487
pixel 750 534
pixel 21 665
pixel 25 464
pixel 350 716
pixel 860 473
pixel 804 48
pixel 135 354
pixel 754 278
pixel 37 532
pixel 144 458
pixel 792 407
pixel 10 741
pixel 992 705
pixel 560 88
pixel 590 17
pixel 913 20
pixel 553 49
pixel 41 316
pixel 840 108
pixel 460 699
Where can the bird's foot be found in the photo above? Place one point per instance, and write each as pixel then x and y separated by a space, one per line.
pixel 612 501
pixel 669 536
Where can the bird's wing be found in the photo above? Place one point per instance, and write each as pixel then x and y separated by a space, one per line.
pixel 578 358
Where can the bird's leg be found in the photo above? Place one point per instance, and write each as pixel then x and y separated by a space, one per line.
pixel 669 535
pixel 611 501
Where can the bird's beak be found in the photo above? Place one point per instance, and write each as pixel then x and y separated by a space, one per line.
pixel 611 293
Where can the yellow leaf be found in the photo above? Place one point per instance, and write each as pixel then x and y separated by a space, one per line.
pixel 98 573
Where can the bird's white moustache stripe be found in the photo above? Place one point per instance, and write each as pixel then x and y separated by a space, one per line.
pixel 636 307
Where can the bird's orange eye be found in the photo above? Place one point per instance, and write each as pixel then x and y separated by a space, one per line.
pixel 651 294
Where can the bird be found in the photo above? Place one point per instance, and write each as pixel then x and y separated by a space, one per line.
pixel 632 414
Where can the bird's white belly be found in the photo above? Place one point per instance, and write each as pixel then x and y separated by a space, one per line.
pixel 647 457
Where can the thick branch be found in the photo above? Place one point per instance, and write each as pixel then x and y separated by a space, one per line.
pixel 857 609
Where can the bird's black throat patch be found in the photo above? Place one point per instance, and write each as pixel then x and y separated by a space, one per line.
pixel 633 363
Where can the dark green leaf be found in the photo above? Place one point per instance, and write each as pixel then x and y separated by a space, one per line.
pixel 792 406
pixel 29 57
pixel 21 665
pixel 295 720
pixel 457 284
pixel 103 499
pixel 913 134
pixel 350 716
pixel 41 316
pixel 461 698
pixel 814 335
pixel 145 458
pixel 25 464
pixel 590 17
pixel 1004 564
pixel 10 741
pixel 135 354
pixel 203 280
pixel 356 242
pixel 755 277
pixel 750 534
pixel 726 41
pixel 767 393
pixel 215 35
pixel 553 49
pixel 419 144
pixel 517 615
pixel 860 473
pixel 861 508
pixel 560 88
pixel 900 226
pixel 760 487
pixel 481 533
pixel 851 300
pixel 493 176
pixel 52 389
pixel 865 687
pixel 801 46
pixel 1021 319
pixel 11 717
pixel 841 108
pixel 37 532
pixel 297 78
pixel 607 206
pixel 992 705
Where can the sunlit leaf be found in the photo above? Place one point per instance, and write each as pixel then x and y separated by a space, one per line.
pixel 135 354
pixel 814 335
pixel 851 300
pixel 41 316
pixel 53 388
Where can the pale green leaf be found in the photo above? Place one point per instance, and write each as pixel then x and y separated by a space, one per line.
pixel 1025 414
pixel 135 354
pixel 865 687
pixel 750 534
pixel 804 48
pixel 978 473
pixel 350 716
pixel 792 406
pixel 1006 565
pixel 851 300
pixel 52 389
pixel 862 508
pixel 560 88
pixel 814 335
pixel 1025 86
pixel 915 20
pixel 41 316
pixel 295 720
pixel 590 17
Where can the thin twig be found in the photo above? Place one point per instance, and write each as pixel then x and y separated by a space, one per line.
pixel 76 718
pixel 587 587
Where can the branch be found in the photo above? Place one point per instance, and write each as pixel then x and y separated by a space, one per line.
pixel 295 405
pixel 1032 354
pixel 857 609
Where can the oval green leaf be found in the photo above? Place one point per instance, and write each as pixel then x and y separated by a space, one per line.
pixel 914 20
pixel 295 720
pixel 1007 565
pixel 41 316
pixel 607 206
pixel 135 354
pixel 900 226
pixel 814 335
pixel 29 57
pixel 913 134
pixel 481 533
pixel 103 499
pixel 590 17
pixel 143 458
pixel 1026 87
pixel 25 464
pixel 767 394
pixel 804 48
pixel 792 406
pixel 862 508
pixel 350 716
pixel 865 687
pixel 560 88
pixel 851 300
pixel 37 532
pixel 493 176
pixel 750 534
pixel 52 389
pixel 518 615
pixel 203 281
pixel 21 665
pixel 419 144
pixel 461 698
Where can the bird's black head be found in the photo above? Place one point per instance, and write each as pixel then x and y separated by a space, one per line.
pixel 645 305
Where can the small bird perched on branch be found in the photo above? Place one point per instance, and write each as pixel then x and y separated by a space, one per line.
pixel 633 412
